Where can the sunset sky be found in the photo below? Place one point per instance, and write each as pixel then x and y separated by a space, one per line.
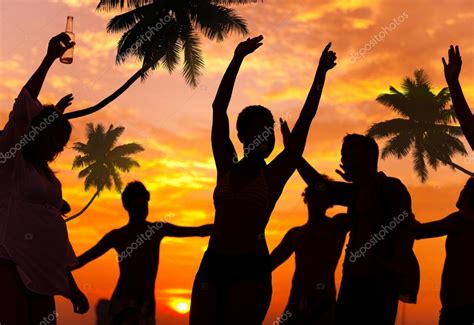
pixel 172 121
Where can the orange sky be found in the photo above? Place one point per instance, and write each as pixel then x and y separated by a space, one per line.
pixel 172 121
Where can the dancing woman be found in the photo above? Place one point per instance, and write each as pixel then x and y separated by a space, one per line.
pixel 35 253
pixel 233 284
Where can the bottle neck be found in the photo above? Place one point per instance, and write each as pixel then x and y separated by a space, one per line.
pixel 69 24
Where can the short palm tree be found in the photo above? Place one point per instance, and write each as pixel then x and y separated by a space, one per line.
pixel 102 160
pixel 157 31
pixel 425 127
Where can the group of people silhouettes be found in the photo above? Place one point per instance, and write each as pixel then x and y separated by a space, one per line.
pixel 234 282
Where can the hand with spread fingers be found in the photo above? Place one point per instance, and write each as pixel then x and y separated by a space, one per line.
pixel 452 69
pixel 64 103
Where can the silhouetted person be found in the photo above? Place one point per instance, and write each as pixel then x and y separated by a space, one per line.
pixel 35 252
pixel 452 69
pixel 379 267
pixel 233 285
pixel 138 248
pixel 457 286
pixel 317 246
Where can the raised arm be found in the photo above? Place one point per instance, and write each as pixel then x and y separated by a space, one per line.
pixel 27 105
pixel 283 166
pixel 437 228
pixel 97 251
pixel 56 47
pixel 222 147
pixel 177 231
pixel 340 191
pixel 307 172
pixel 452 69
pixel 283 251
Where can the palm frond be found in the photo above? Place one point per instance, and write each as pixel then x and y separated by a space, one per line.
pixel 217 22
pixel 421 79
pixel 125 150
pixel 419 160
pixel 390 128
pixel 125 164
pixel 398 146
pixel 128 20
pixel 396 101
pixel 193 61
pixel 108 5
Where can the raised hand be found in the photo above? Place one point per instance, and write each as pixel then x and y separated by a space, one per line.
pixel 285 131
pixel 453 68
pixel 64 103
pixel 249 46
pixel 328 58
pixel 343 174
pixel 58 45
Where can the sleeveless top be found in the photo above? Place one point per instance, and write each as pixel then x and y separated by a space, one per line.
pixel 246 212
pixel 33 234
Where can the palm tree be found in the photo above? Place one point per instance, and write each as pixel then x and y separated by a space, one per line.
pixel 157 31
pixel 425 127
pixel 102 161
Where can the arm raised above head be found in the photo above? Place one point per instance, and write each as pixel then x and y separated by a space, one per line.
pixel 56 47
pixel 222 147
pixel 452 69
pixel 283 166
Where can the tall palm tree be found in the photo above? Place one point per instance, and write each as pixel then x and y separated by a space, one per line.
pixel 102 160
pixel 425 127
pixel 157 31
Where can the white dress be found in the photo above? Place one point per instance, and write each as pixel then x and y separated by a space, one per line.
pixel 33 234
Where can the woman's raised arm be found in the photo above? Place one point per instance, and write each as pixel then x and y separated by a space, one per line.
pixel 222 147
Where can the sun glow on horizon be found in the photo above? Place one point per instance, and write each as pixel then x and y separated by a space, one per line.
pixel 180 305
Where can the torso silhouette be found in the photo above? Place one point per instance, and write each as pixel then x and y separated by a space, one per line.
pixel 243 207
pixel 138 270
pixel 457 288
pixel 317 250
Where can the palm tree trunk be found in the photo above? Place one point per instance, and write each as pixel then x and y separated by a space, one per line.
pixel 456 166
pixel 84 209
pixel 111 98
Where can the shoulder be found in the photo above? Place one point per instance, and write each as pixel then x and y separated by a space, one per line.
pixel 294 233
pixel 113 234
pixel 393 186
pixel 391 182
pixel 457 218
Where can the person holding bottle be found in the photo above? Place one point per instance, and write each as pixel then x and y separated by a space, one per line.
pixel 35 253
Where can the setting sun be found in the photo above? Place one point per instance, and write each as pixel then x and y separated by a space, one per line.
pixel 181 306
